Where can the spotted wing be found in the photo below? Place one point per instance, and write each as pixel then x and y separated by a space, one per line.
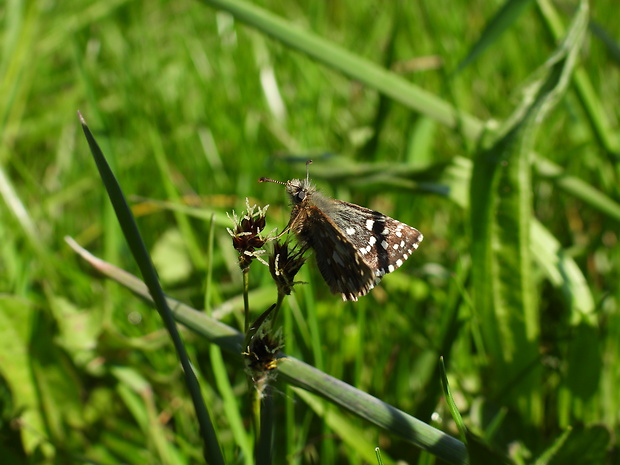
pixel 382 242
pixel 338 259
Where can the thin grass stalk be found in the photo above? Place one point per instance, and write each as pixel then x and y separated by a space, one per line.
pixel 246 299
pixel 264 449
pixel 212 451
pixel 276 310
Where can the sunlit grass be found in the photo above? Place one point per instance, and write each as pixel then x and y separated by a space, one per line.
pixel 191 107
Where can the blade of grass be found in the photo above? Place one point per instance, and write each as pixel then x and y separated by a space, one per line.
pixel 299 373
pixel 263 452
pixel 454 411
pixel 354 66
pixel 506 16
pixel 212 452
pixel 577 188
pixel 583 86
pixel 373 410
pixel 347 431
pixel 564 274
pixel 548 454
pixel 231 406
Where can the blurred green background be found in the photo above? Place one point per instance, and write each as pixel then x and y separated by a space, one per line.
pixel 191 107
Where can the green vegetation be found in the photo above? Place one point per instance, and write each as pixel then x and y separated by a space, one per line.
pixel 491 128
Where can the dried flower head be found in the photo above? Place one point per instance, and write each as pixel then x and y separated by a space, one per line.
pixel 262 346
pixel 284 263
pixel 247 236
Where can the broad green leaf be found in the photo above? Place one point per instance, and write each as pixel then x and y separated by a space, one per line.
pixel 500 215
pixel 16 321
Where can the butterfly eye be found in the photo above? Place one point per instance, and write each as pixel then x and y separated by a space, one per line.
pixel 301 195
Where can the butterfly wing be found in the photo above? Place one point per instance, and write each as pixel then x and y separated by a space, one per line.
pixel 338 259
pixel 382 242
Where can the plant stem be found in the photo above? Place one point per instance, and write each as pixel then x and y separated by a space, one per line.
pixel 246 298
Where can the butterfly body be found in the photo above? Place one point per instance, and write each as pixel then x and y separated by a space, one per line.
pixel 354 246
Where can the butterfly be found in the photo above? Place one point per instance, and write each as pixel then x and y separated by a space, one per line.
pixel 354 246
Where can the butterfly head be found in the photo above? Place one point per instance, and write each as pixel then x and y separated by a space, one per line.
pixel 298 189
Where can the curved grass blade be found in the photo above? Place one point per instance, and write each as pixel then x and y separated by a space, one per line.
pixel 212 452
pixel 358 68
pixel 564 274
pixel 507 15
pixel 299 373
pixel 454 411
pixel 583 87
pixel 501 216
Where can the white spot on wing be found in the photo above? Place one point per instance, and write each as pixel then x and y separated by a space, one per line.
pixel 369 224
pixel 350 231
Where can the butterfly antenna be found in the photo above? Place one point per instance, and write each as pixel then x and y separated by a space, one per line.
pixel 271 180
pixel 308 163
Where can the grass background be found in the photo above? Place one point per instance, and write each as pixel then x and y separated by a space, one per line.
pixel 192 107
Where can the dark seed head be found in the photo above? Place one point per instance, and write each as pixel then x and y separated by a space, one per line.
pixel 284 263
pixel 247 235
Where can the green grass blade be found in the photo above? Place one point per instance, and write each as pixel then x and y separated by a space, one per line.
pixel 231 404
pixel 548 454
pixel 264 449
pixel 373 410
pixel 299 373
pixel 580 444
pixel 501 213
pixel 583 86
pixel 354 66
pixel 454 411
pixel 127 222
pixel 507 15
pixel 563 273
pixel 347 431
pixel 577 188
